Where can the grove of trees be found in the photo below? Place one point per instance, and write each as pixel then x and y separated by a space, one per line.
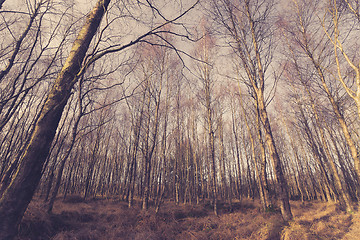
pixel 188 101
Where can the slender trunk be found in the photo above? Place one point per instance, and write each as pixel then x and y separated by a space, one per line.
pixel 57 185
pixel 237 148
pixel 211 142
pixel 258 87
pixel 63 162
pixel 195 160
pixel 68 181
pixel 334 104
pixel 134 151
pixel 132 183
pixel 231 185
pixel 262 174
pixel 150 149
pixel 162 181
pixel 91 168
pixel 342 195
pixel 177 146
pixel 274 156
pixel 222 160
pixel 325 178
pixel 350 184
pixel 297 161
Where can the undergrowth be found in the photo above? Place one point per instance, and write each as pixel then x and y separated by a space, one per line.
pixel 112 219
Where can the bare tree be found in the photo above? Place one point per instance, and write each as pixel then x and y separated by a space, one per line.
pixel 205 52
pixel 246 24
pixel 18 194
pixel 306 40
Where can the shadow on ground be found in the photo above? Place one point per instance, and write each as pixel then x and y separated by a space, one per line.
pixel 112 219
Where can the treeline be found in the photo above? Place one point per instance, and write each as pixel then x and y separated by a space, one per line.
pixel 253 99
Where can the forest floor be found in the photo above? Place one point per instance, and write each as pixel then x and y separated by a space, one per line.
pixel 112 219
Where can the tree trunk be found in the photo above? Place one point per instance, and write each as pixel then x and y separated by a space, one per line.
pixel 211 144
pixel 62 165
pixel 342 194
pixel 264 190
pixel 274 156
pixel 19 193
pixel 237 148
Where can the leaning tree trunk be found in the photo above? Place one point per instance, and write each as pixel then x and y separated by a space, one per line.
pixel 274 156
pixel 19 193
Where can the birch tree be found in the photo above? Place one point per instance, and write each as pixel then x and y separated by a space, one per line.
pixel 246 23
pixel 18 194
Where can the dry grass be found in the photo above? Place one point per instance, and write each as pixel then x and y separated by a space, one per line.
pixel 318 220
pixel 111 219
